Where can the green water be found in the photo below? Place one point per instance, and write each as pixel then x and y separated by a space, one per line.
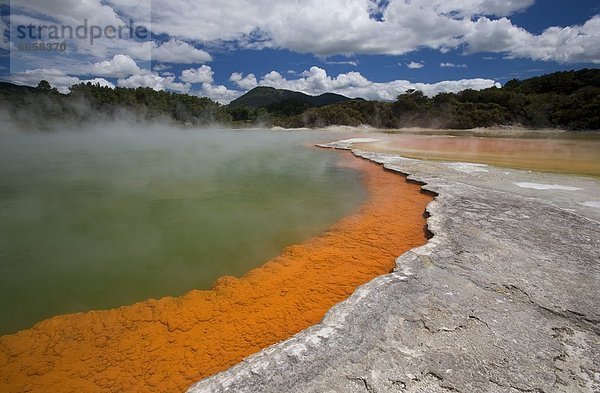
pixel 98 219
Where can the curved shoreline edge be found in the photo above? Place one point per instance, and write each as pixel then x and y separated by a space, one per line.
pixel 503 298
pixel 165 345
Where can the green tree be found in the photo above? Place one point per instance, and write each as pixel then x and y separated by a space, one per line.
pixel 44 85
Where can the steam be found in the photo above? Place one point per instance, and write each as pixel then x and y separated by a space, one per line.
pixel 116 212
pixel 52 113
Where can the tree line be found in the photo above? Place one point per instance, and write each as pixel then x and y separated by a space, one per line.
pixel 45 108
pixel 568 100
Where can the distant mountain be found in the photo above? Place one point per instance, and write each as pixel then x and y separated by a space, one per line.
pixel 9 88
pixel 271 98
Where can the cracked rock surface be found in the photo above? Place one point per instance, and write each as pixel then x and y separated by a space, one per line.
pixel 504 298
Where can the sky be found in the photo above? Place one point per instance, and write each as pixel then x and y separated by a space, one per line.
pixel 374 49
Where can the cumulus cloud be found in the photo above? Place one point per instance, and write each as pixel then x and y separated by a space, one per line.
pixel 388 91
pixel 55 77
pixel 470 8
pixel 124 68
pixel 245 82
pixel 73 12
pixel 313 81
pixel 97 13
pixel 323 28
pixel 99 81
pixel 567 44
pixel 336 26
pixel 130 76
pixel 218 93
pixel 175 51
pixel 154 81
pixel 316 81
pixel 119 66
pixel 414 65
pixel 342 27
pixel 204 74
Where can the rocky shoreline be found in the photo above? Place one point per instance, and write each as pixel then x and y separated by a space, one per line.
pixel 503 298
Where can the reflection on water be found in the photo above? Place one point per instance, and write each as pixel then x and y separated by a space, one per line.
pixel 578 154
pixel 101 219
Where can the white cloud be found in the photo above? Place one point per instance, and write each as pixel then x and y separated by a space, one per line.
pixel 315 81
pixel 97 13
pixel 345 27
pixel 137 50
pixel 160 67
pixel 166 81
pixel 154 81
pixel 353 63
pixel 452 65
pixel 204 74
pixel 567 45
pixel 323 28
pixel 175 51
pixel 245 82
pixel 119 67
pixel 470 8
pixel 183 88
pixel 60 80
pixel 413 65
pixel 390 90
pixel 218 93
pixel 72 12
pixel 55 77
pixel 99 81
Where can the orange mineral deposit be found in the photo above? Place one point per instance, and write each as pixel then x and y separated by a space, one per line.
pixel 168 344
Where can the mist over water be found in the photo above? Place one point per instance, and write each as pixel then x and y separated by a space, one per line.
pixel 563 152
pixel 106 217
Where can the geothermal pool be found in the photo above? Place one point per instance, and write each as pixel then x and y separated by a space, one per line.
pixel 170 343
pixel 575 153
pixel 107 217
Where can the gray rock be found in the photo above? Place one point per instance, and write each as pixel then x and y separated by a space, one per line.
pixel 504 297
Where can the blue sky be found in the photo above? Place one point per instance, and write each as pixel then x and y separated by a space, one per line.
pixel 374 49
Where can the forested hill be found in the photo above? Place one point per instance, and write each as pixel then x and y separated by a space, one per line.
pixel 278 99
pixel 568 100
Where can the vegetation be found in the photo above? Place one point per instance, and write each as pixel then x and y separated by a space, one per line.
pixel 44 107
pixel 276 99
pixel 263 104
pixel 569 100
